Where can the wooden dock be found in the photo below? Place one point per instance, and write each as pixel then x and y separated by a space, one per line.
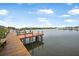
pixel 38 36
pixel 14 47
pixel 30 35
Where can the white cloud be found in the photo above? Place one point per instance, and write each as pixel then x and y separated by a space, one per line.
pixel 7 22
pixel 44 22
pixel 61 26
pixel 71 20
pixel 41 22
pixel 69 4
pixel 42 19
pixel 74 11
pixel 3 12
pixel 45 11
pixel 3 23
pixel 65 15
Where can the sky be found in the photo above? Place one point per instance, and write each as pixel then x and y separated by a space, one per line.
pixel 39 14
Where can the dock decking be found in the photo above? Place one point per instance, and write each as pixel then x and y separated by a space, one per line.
pixel 14 47
pixel 30 35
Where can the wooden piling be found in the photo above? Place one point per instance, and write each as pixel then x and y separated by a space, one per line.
pixel 37 38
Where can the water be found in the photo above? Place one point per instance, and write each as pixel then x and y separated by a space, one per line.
pixel 56 43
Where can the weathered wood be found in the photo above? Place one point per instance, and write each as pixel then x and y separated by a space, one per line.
pixel 14 47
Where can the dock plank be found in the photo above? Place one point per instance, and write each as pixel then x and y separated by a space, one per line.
pixel 14 47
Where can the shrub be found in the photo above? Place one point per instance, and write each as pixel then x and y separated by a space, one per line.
pixel 2 32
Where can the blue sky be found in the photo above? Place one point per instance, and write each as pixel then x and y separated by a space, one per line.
pixel 39 14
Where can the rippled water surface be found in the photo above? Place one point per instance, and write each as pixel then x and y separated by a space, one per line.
pixel 56 43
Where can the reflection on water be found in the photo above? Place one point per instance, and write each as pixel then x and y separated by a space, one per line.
pixel 34 45
pixel 56 43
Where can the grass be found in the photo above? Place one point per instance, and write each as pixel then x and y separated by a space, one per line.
pixel 2 33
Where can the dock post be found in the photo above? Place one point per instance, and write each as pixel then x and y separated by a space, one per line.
pixel 32 35
pixel 31 38
pixel 18 32
pixel 41 37
pixel 25 33
pixel 37 38
pixel 24 41
pixel 38 35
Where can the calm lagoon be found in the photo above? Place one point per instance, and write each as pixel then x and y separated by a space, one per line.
pixel 56 43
